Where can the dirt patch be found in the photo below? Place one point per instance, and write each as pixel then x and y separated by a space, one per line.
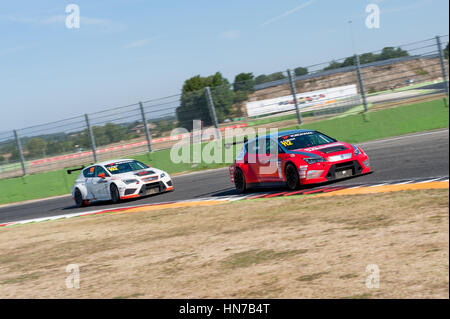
pixel 254 257
pixel 295 247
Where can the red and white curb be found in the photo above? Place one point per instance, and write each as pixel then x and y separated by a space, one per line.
pixel 231 198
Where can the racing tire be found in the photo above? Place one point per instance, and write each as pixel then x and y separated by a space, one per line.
pixel 114 191
pixel 239 181
pixel 78 197
pixel 292 178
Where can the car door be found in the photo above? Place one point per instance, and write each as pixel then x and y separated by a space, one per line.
pixel 88 174
pixel 268 161
pixel 99 185
pixel 253 161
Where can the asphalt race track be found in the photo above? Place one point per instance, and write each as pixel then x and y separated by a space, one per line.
pixel 420 155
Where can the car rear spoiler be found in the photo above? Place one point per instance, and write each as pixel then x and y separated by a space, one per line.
pixel 69 171
pixel 227 145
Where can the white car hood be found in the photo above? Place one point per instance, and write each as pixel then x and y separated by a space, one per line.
pixel 132 175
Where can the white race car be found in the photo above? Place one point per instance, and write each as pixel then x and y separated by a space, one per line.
pixel 118 179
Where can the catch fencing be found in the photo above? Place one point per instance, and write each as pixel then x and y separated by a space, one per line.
pixel 294 96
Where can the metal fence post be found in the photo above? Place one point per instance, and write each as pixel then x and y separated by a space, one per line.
pixel 362 89
pixel 294 95
pixel 147 131
pixel 91 136
pixel 19 148
pixel 441 57
pixel 212 110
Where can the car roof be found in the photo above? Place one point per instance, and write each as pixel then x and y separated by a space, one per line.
pixel 282 133
pixel 112 161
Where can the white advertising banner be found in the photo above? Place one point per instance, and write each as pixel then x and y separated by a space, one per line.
pixel 316 99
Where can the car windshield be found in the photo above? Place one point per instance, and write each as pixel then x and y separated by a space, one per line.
pixel 125 167
pixel 304 139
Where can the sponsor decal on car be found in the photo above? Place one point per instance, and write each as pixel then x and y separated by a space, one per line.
pixel 309 149
pixel 112 168
pixel 340 157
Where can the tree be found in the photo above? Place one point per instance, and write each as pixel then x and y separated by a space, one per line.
pixel 348 62
pixel 333 65
pixel 36 147
pixel 14 155
pixel 164 126
pixel 2 159
pixel 54 147
pixel 244 82
pixel 58 147
pixel 223 98
pixel 240 96
pixel 367 58
pixel 81 139
pixel 446 52
pixel 386 54
pixel 300 71
pixel 277 76
pixel 115 133
pixel 269 78
pixel 390 53
pixel 10 151
pixel 261 79
pixel 194 104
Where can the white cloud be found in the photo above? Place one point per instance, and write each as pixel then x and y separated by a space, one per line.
pixel 231 34
pixel 140 43
pixel 287 13
pixel 54 20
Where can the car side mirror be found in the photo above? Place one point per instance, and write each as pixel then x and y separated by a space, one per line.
pixel 101 175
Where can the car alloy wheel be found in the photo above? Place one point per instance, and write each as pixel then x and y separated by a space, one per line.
pixel 78 198
pixel 239 181
pixel 292 178
pixel 115 196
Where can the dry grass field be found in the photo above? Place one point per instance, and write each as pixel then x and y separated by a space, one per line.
pixel 295 247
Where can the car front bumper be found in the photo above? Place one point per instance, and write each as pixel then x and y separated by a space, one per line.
pixel 325 172
pixel 145 189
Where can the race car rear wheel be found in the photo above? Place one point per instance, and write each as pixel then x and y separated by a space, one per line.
pixel 78 198
pixel 114 191
pixel 292 178
pixel 239 181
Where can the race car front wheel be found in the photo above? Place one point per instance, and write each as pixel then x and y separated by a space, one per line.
pixel 292 178
pixel 78 198
pixel 239 181
pixel 115 196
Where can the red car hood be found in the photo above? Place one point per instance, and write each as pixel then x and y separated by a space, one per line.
pixel 327 150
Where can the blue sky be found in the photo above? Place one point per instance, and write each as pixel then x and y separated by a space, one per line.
pixel 131 50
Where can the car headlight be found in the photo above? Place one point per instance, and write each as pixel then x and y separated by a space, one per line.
pixel 130 181
pixel 313 160
pixel 356 149
pixel 162 175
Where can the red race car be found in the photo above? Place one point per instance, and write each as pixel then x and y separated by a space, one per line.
pixel 294 158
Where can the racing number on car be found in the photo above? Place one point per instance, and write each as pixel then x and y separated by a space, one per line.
pixel 286 143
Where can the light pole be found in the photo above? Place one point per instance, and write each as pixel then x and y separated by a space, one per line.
pixel 350 22
pixel 362 89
